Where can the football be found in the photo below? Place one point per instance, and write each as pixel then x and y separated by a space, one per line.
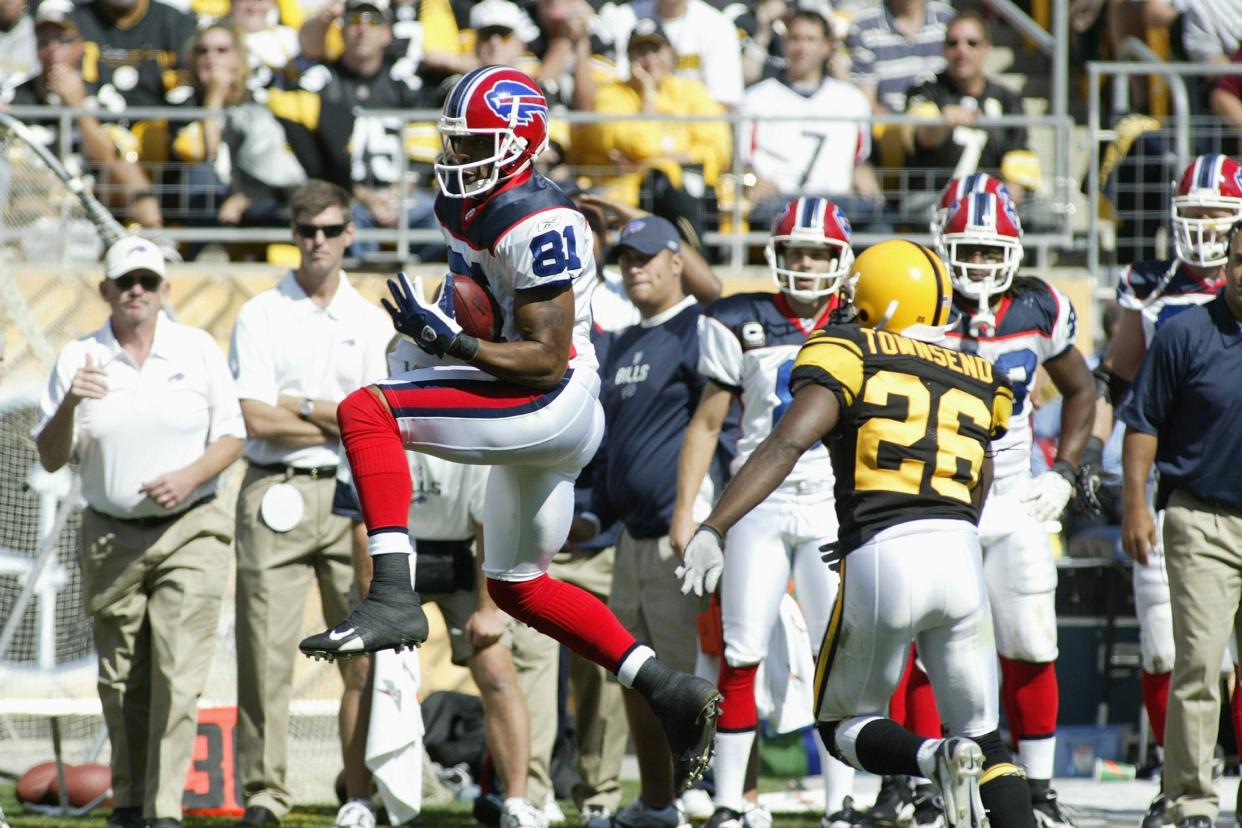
pixel 33 785
pixel 84 784
pixel 475 309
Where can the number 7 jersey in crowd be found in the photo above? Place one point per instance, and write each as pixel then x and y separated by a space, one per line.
pixel 524 235
pixel 916 421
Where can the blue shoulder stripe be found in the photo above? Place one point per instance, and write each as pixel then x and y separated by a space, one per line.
pixel 500 212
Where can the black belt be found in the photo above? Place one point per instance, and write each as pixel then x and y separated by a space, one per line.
pixel 154 521
pixel 314 472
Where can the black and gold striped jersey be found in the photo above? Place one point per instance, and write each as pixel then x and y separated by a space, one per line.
pixel 916 421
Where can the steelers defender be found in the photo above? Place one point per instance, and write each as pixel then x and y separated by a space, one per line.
pixel 908 425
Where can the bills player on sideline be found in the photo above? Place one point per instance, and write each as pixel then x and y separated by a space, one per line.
pixel 1207 202
pixel 908 425
pixel 1020 323
pixel 748 343
pixel 525 405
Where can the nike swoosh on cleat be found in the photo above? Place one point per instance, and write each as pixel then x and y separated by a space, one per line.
pixel 337 636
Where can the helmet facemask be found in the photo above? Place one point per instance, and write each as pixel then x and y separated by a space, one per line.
pixel 464 180
pixel 980 269
pixel 1201 223
pixel 808 285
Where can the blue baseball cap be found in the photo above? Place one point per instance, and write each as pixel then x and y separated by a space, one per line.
pixel 649 235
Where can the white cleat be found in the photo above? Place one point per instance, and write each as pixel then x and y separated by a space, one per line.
pixel 959 763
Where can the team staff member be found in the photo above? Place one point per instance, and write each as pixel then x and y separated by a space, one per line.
pixel 880 394
pixel 149 411
pixel 298 349
pixel 1180 417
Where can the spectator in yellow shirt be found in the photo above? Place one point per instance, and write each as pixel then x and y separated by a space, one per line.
pixel 666 167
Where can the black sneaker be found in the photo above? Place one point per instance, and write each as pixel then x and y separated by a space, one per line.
pixel 959 762
pixel 893 805
pixel 258 815
pixel 391 617
pixel 129 817
pixel 724 817
pixel 1194 822
pixel 1157 815
pixel 847 817
pixel 928 807
pixel 687 707
pixel 1048 811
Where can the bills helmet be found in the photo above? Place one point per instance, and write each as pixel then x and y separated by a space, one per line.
pixel 901 287
pixel 959 188
pixel 1211 183
pixel 504 107
pixel 982 242
pixel 810 223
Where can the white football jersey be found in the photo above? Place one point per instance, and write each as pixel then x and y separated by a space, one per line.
pixel 747 344
pixel 1035 322
pixel 524 237
pixel 813 156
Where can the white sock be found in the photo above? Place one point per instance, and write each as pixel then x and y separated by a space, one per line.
pixel 1037 756
pixel 838 777
pixel 388 543
pixel 927 757
pixel 630 664
pixel 732 757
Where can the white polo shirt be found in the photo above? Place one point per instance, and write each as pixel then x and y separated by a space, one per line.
pixel 284 343
pixel 156 418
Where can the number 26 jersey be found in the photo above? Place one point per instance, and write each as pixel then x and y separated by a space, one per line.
pixel 916 421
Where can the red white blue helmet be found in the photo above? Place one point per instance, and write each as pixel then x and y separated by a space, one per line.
pixel 1212 182
pixel 959 188
pixel 494 101
pixel 810 222
pixel 982 220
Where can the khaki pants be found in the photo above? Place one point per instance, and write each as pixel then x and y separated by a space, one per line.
pixel 1203 554
pixel 646 598
pixel 599 714
pixel 274 572
pixel 153 595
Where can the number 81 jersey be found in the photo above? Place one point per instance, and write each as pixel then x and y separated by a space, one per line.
pixel 1035 323
pixel 915 423
pixel 747 345
pixel 524 235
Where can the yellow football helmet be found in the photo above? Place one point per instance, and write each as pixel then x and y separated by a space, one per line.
pixel 903 288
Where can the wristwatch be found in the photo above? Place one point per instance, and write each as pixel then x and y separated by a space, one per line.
pixel 306 409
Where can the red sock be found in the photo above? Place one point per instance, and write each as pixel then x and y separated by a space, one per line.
pixel 897 709
pixel 377 460
pixel 572 616
pixel 737 685
pixel 1235 706
pixel 1156 699
pixel 922 716
pixel 1031 698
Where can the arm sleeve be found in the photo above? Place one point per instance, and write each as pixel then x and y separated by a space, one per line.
pixel 831 361
pixel 1151 397
pixel 722 66
pixel 1199 36
pixel 547 249
pixel 720 354
pixel 1002 410
pixel 67 364
pixel 250 358
pixel 1127 295
pixel 222 402
pixel 862 59
pixel 1064 325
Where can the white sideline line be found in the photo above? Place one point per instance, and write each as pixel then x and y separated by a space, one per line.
pixel 92 707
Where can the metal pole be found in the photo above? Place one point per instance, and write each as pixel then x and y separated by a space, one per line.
pixel 1060 104
pixel 737 244
pixel 1093 170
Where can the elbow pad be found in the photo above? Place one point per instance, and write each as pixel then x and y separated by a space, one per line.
pixel 1110 386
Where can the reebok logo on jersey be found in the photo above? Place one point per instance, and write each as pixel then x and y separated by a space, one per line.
pixel 516 102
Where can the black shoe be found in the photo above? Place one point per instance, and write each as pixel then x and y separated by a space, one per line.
pixel 258 815
pixel 893 805
pixel 163 822
pixel 130 817
pixel 687 707
pixel 1194 822
pixel 1157 815
pixel 1048 811
pixel 391 617
pixel 724 817
pixel 847 817
pixel 928 807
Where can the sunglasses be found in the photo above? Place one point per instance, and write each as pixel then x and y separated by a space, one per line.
pixel 212 50
pixel 61 39
pixel 149 281
pixel 365 18
pixel 972 43
pixel 330 231
pixel 487 33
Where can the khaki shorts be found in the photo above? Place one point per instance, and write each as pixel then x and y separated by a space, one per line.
pixel 646 598
pixel 457 607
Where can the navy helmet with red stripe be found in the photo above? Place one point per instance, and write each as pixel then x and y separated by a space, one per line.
pixel 814 223
pixel 959 188
pixel 497 102
pixel 1207 203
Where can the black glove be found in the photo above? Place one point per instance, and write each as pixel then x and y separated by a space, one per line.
pixel 1090 477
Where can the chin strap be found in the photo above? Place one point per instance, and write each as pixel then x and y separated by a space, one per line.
pixel 983 323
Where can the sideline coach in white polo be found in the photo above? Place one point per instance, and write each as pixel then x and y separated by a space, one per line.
pixel 148 409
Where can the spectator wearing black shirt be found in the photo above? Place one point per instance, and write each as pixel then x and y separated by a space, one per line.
pixel 134 45
pixel 123 186
pixel 961 94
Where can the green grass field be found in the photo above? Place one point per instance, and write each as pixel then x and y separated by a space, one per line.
pixel 319 816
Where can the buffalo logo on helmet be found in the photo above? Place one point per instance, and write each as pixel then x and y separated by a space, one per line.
pixel 516 102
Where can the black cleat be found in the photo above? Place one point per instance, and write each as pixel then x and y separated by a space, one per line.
pixel 1157 815
pixel 893 804
pixel 928 807
pixel 1049 813
pixel 687 707
pixel 391 617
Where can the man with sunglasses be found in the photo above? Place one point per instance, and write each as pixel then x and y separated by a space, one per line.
pixel 961 94
pixel 148 410
pixel 60 82
pixel 297 350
